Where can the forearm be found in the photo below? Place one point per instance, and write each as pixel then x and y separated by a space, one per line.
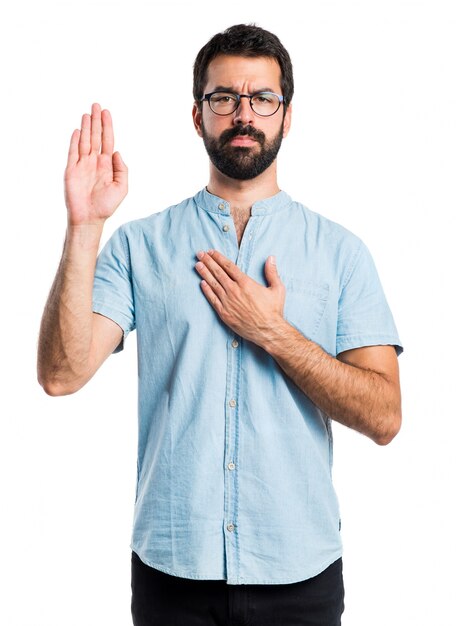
pixel 362 399
pixel 66 326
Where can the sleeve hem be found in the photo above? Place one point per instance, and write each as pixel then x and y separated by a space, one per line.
pixel 363 341
pixel 117 317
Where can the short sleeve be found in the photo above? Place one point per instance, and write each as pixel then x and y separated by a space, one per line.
pixel 112 294
pixel 364 317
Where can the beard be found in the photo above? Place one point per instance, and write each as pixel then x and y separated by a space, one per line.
pixel 242 162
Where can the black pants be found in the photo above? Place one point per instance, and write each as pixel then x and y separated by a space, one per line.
pixel 159 599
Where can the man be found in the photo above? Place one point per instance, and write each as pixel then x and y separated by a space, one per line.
pixel 245 355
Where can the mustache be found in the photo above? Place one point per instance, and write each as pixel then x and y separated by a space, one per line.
pixel 237 131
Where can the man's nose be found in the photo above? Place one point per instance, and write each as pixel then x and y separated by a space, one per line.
pixel 243 114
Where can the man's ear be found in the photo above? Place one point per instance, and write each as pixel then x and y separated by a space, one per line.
pixel 197 114
pixel 287 121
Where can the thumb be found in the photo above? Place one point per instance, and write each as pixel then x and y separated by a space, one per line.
pixel 120 170
pixel 271 272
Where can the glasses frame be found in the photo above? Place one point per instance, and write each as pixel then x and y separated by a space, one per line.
pixel 207 97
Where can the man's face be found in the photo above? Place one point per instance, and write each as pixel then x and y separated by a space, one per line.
pixel 242 145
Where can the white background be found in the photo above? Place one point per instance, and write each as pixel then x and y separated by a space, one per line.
pixel 372 146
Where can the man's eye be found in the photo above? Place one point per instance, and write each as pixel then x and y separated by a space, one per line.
pixel 225 98
pixel 263 99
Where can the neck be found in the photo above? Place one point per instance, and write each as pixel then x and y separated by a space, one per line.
pixel 243 193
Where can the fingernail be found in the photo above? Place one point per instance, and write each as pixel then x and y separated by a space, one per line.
pixel 200 254
pixel 273 261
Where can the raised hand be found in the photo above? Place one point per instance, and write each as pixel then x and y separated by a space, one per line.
pixel 96 179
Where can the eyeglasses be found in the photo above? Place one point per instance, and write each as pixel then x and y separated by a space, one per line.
pixel 264 103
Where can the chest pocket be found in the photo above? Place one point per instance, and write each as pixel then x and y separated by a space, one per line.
pixel 305 304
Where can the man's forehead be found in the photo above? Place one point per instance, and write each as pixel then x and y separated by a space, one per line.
pixel 231 71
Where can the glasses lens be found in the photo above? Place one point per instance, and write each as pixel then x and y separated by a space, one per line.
pixel 265 103
pixel 223 103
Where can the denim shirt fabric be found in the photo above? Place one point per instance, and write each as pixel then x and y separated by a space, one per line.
pixel 234 461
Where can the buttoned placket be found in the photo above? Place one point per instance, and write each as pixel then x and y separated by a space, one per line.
pixel 233 406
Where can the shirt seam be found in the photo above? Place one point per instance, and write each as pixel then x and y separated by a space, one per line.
pixel 347 338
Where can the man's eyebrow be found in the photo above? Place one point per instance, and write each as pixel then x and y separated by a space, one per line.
pixel 232 90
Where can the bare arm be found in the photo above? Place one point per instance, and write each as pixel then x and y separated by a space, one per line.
pixel 360 389
pixel 73 340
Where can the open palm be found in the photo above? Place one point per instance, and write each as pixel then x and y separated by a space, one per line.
pixel 96 179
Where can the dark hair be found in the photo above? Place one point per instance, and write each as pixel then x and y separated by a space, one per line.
pixel 245 40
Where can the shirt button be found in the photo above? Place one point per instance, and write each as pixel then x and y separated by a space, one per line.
pixel 235 343
pixel 226 228
pixel 232 403
pixel 230 527
pixel 231 465
pixel 221 206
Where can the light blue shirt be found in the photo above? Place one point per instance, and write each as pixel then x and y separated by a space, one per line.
pixel 234 461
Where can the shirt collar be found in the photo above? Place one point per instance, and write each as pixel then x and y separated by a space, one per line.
pixel 215 204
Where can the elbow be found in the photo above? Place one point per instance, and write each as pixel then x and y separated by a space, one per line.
pixel 57 388
pixel 390 429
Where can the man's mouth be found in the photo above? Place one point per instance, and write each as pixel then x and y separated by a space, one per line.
pixel 243 140
pixel 242 137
